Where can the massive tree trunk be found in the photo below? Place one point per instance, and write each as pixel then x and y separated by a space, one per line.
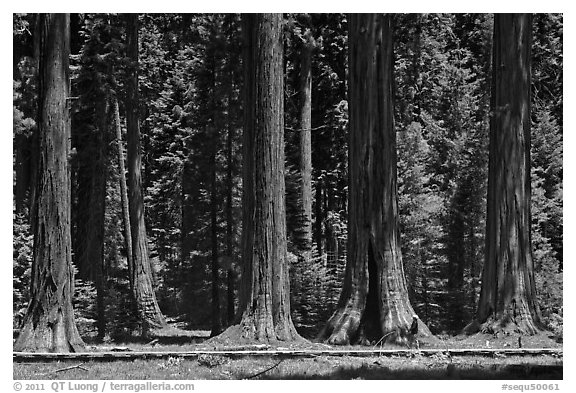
pixel 49 324
pixel 148 310
pixel 508 294
pixel 374 302
pixel 265 300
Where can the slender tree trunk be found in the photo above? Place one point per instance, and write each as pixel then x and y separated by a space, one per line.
pixel 319 217
pixel 374 302
pixel 473 272
pixel 265 300
pixel 229 195
pixel 148 310
pixel 99 213
pixel 123 192
pixel 49 324
pixel 305 164
pixel 229 224
pixel 217 124
pixel 508 294
pixel 216 318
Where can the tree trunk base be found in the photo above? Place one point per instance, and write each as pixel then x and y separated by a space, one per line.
pixel 44 336
pixel 502 324
pixel 245 333
pixel 350 327
pixel 342 328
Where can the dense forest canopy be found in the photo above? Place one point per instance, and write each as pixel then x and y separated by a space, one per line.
pixel 181 80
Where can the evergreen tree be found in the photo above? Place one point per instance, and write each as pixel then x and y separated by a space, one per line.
pixel 265 302
pixel 508 295
pixel 148 310
pixel 374 303
pixel 49 324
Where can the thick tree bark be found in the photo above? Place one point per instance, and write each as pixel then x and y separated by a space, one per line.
pixel 148 310
pixel 49 324
pixel 508 294
pixel 374 302
pixel 265 300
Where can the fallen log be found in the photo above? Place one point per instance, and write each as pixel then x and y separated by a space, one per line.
pixel 287 353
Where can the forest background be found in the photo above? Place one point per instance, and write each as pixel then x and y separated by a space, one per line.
pixel 442 107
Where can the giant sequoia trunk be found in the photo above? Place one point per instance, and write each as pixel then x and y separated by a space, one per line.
pixel 49 323
pixel 265 300
pixel 508 294
pixel 148 310
pixel 374 302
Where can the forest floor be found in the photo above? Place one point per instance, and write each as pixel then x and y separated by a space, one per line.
pixel 414 365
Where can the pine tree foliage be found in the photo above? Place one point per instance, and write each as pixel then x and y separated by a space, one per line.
pixel 190 105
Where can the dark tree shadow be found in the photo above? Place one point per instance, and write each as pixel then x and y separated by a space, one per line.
pixel 451 371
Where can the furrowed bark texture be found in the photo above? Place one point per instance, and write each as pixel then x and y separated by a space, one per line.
pixel 374 302
pixel 508 294
pixel 265 300
pixel 148 310
pixel 49 324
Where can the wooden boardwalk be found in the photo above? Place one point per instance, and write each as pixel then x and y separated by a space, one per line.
pixel 285 353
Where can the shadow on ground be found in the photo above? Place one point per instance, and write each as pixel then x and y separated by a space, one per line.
pixel 551 372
